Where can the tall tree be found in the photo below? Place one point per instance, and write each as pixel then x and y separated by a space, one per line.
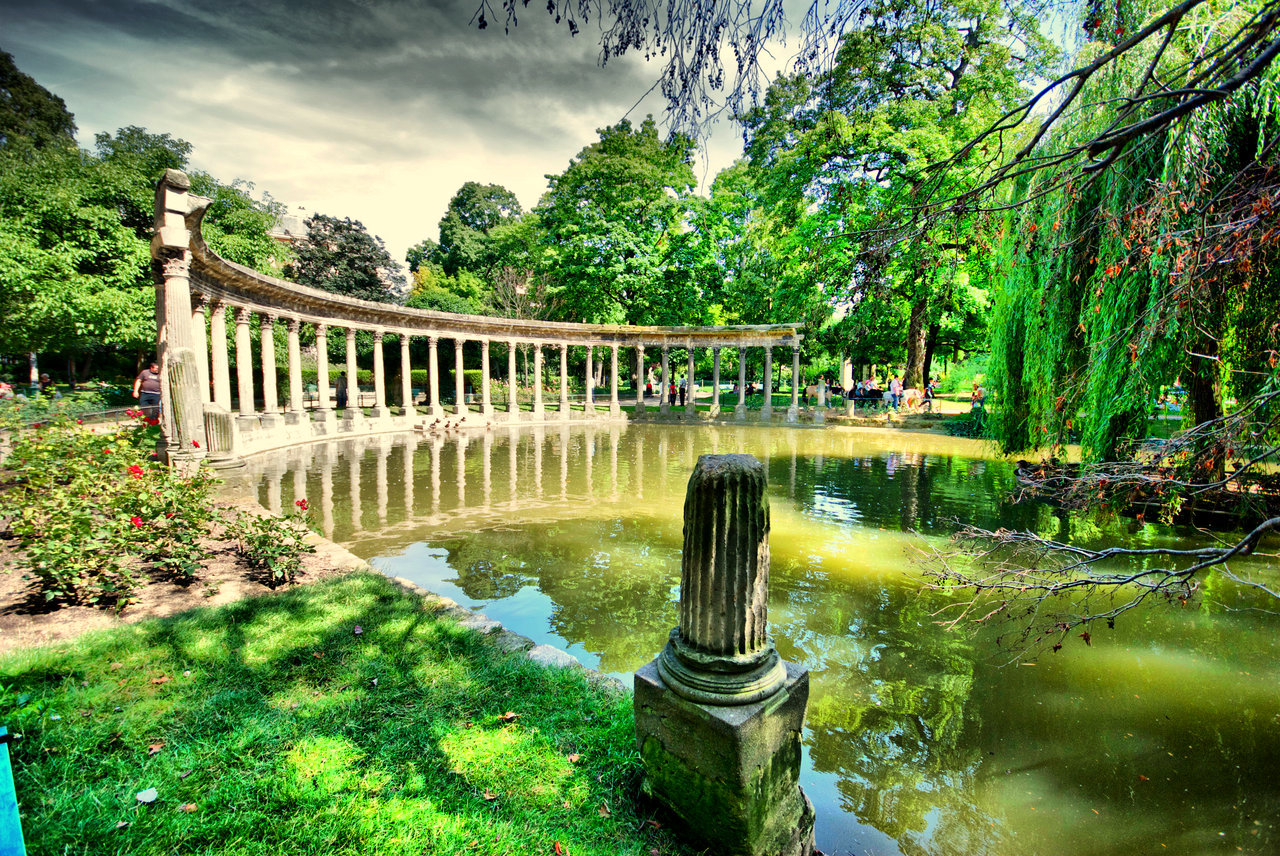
pixel 29 111
pixel 341 256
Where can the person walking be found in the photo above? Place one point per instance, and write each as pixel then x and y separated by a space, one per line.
pixel 895 391
pixel 342 391
pixel 684 384
pixel 146 388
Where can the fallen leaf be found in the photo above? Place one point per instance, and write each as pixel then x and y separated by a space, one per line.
pixel 122 824
pixel 358 630
pixel 185 774
pixel 154 748
pixel 654 824
pixel 489 795
pixel 567 804
pixel 188 807
pixel 509 717
pixel 147 796
pixel 573 759
pixel 603 811
pixel 556 848
pixel 317 654
pixel 115 666
pixel 1143 779
pixel 163 679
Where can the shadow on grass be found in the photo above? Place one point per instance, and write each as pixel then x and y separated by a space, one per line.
pixel 274 726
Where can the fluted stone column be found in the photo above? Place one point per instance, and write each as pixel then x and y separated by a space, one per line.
pixel 538 411
pixel 640 379
pixel 296 413
pixel 615 408
pixel 766 409
pixel 740 409
pixel 718 709
pixel 664 397
pixel 433 363
pixel 324 404
pixel 589 388
pixel 690 402
pixel 270 392
pixel 715 382
pixel 820 410
pixel 564 380
pixel 486 402
pixel 221 367
pixel 379 378
pixel 201 340
pixel 793 412
pixel 406 377
pixel 513 383
pixel 353 412
pixel 459 380
pixel 244 365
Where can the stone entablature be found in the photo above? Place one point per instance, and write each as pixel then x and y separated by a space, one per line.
pixel 199 295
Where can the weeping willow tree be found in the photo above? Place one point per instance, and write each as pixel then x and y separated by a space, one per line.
pixel 1121 281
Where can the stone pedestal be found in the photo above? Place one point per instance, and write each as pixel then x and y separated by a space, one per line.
pixel 793 414
pixel 729 774
pixel 718 714
pixel 820 416
pixel 740 411
pixel 220 433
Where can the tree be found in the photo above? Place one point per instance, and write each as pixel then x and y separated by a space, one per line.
pixel 610 224
pixel 31 112
pixel 342 257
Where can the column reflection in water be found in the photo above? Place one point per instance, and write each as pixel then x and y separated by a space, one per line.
pixel 300 470
pixel 615 435
pixel 384 452
pixel 326 489
pixel 513 452
pixel 589 455
pixel 275 484
pixel 637 468
pixel 487 469
pixel 437 449
pixel 354 455
pixel 407 449
pixel 460 469
pixel 539 437
pixel 564 461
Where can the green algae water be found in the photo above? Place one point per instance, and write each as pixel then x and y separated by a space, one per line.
pixel 1161 736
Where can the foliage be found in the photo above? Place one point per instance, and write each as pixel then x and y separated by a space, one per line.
pixel 611 226
pixel 272 544
pixel 91 506
pixel 342 257
pixel 971 424
pixel 473 213
pixel 31 112
pixel 337 717
pixel 21 412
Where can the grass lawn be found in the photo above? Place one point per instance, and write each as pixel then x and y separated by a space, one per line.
pixel 274 726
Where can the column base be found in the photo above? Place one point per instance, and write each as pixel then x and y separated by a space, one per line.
pixel 739 411
pixel 729 774
pixel 664 407
pixel 294 417
pixel 640 407
pixel 272 421
pixel 378 412
pixel 486 411
pixel 615 409
pixel 325 421
pixel 766 413
pixel 819 417
pixel 436 411
pixel 793 414
pixel 714 411
pixel 247 422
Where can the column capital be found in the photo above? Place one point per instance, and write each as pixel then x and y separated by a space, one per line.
pixel 293 324
pixel 433 341
pixel 199 301
pixel 351 334
pixel 269 317
pixel 322 329
pixel 563 346
pixel 377 337
pixel 405 336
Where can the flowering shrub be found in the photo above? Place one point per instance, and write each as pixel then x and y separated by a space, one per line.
pixel 93 507
pixel 274 544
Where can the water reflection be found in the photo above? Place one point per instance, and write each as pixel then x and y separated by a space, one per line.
pixel 919 741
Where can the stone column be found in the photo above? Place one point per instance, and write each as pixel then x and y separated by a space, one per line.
pixel 218 351
pixel 564 380
pixel 324 404
pixel 589 399
pixel 486 402
pixel 513 383
pixel 718 709
pixel 740 409
pixel 664 397
pixel 793 412
pixel 820 410
pixel 715 382
pixel 293 327
pixel 270 393
pixel 766 409
pixel 538 411
pixel 353 411
pixel 690 402
pixel 433 363
pixel 640 380
pixel 201 344
pixel 459 380
pixel 615 408
pixel 406 378
pixel 244 365
pixel 379 378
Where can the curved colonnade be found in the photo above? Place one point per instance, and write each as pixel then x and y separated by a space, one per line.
pixel 198 290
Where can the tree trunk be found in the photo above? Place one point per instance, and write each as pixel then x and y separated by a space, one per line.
pixel 929 345
pixel 1204 397
pixel 913 376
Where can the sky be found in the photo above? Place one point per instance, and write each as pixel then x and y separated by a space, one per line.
pixel 378 110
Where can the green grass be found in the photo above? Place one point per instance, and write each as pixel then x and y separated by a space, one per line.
pixel 277 730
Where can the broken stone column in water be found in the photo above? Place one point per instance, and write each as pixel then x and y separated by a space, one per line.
pixel 718 713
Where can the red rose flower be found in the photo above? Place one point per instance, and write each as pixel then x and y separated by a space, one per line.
pixel 302 504
pixel 196 443
pixel 136 521
pixel 135 471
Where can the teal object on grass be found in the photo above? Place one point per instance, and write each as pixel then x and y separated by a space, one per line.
pixel 10 827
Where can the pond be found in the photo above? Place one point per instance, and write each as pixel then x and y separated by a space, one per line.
pixel 1161 736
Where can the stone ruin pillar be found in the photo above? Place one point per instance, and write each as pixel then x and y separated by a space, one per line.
pixel 718 714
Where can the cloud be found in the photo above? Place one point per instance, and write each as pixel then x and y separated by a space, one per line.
pixel 374 109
